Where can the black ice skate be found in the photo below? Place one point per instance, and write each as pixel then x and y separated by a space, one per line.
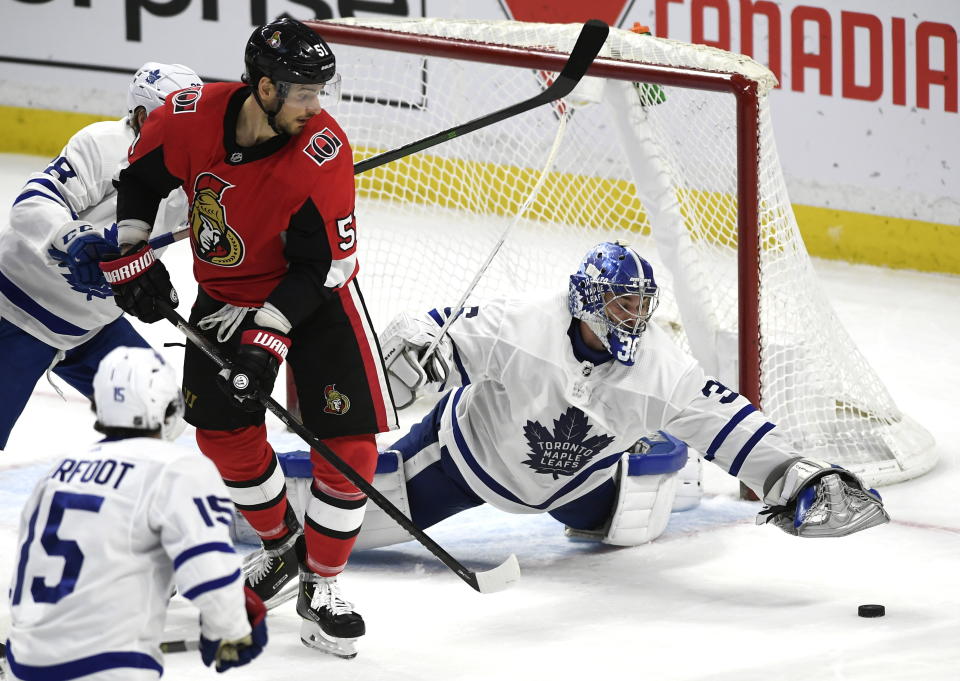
pixel 272 572
pixel 329 622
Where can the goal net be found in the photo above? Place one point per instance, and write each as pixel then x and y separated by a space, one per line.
pixel 668 146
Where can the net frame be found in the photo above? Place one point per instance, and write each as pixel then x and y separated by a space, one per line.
pixel 747 82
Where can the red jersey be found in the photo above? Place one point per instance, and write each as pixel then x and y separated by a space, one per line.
pixel 269 222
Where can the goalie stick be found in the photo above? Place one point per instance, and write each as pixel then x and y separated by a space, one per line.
pixel 489 581
pixel 591 39
pixel 455 311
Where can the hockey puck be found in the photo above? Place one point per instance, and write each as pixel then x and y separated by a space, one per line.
pixel 871 610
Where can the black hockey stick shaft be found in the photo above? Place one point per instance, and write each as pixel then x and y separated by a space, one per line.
pixel 588 44
pixel 591 39
pixel 208 348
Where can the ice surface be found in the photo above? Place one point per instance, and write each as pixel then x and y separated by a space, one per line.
pixel 714 598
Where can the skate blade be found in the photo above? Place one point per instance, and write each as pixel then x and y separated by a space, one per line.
pixel 312 636
pixel 287 592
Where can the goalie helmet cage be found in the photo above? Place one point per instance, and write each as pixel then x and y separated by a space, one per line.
pixel 669 146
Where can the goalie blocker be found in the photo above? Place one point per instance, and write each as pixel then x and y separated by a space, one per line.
pixel 659 475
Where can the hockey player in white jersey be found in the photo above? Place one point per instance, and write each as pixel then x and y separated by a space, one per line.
pixel 109 531
pixel 56 310
pixel 548 393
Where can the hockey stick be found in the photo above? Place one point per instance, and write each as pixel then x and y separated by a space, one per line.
pixel 179 646
pixel 169 238
pixel 183 645
pixel 455 311
pixel 591 39
pixel 489 581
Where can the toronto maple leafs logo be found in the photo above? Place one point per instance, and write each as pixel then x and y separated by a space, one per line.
pixel 567 449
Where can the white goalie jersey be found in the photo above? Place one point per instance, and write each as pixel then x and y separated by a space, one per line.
pixel 103 538
pixel 37 295
pixel 531 428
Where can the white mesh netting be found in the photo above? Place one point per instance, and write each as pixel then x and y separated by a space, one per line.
pixel 652 166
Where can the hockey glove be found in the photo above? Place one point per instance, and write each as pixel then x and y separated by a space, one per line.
pixel 79 247
pixel 238 652
pixel 815 499
pixel 255 367
pixel 139 282
pixel 404 343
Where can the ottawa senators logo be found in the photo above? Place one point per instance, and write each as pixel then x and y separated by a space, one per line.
pixel 323 147
pixel 213 239
pixel 337 402
pixel 186 101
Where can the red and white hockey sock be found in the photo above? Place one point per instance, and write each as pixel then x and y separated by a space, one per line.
pixel 335 512
pixel 252 474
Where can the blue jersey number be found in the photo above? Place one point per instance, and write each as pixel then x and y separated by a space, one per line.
pixel 55 545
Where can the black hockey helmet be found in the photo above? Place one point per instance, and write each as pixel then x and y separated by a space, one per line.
pixel 288 51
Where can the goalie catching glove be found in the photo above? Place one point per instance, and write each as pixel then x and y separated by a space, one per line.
pixel 404 342
pixel 815 499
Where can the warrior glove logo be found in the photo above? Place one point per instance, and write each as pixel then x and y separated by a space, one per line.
pixel 274 343
pixel 213 239
pixel 567 449
pixel 323 147
pixel 122 270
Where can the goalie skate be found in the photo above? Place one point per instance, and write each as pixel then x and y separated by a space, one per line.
pixel 329 622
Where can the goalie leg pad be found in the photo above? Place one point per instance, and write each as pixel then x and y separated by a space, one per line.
pixel 643 507
pixel 689 483
pixel 647 481
pixel 378 528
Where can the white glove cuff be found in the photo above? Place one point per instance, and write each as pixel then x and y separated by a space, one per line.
pixel 270 317
pixel 130 232
pixel 792 480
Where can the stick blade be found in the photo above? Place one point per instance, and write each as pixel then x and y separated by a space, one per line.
pixel 499 578
pixel 591 39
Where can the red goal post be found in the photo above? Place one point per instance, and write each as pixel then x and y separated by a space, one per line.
pixel 669 146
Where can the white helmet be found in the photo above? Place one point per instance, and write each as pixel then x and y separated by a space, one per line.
pixel 154 81
pixel 134 388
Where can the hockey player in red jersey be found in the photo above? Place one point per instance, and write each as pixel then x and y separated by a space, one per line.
pixel 269 175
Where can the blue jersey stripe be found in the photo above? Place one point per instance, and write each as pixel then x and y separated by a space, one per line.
pixel 201 589
pixel 24 553
pixel 464 378
pixel 81 667
pixel 502 491
pixel 436 316
pixel 726 430
pixel 199 549
pixel 748 447
pixel 23 300
pixel 50 186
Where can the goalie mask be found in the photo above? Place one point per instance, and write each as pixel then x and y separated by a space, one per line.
pixel 614 292
pixel 135 389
